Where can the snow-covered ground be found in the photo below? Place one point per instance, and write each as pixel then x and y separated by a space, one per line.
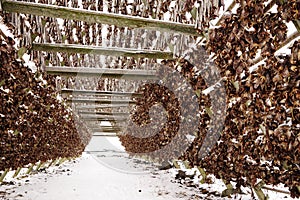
pixel 106 172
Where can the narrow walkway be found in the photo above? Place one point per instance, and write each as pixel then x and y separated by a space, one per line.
pixel 97 176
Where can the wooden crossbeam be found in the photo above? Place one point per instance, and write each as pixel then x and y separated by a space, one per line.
pixel 97 17
pixel 84 117
pixel 108 51
pixel 91 107
pixel 100 93
pixel 101 101
pixel 104 135
pixel 103 113
pixel 103 73
pixel 99 119
pixel 105 130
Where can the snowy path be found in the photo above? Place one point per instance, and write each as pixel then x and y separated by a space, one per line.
pixel 87 178
pixel 94 177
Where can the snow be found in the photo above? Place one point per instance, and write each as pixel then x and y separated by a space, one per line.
pixel 105 171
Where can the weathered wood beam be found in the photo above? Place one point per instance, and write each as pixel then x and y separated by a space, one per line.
pixel 116 120
pixel 90 107
pixel 103 113
pixel 96 17
pixel 105 131
pixel 104 135
pixel 103 117
pixel 102 101
pixel 103 73
pixel 97 50
pixel 100 93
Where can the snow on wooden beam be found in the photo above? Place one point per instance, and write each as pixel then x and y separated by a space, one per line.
pixel 96 17
pixel 103 73
pixel 100 93
pixel 97 50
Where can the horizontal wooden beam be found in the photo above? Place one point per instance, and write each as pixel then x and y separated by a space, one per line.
pixel 105 130
pixel 103 120
pixel 102 101
pixel 108 51
pixel 97 17
pixel 103 113
pixel 103 117
pixel 103 73
pixel 100 93
pixel 93 107
pixel 104 135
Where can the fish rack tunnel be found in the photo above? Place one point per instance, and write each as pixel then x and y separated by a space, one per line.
pixel 83 58
pixel 103 51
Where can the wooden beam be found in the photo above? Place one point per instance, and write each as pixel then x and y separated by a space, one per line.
pixel 104 118
pixel 105 135
pixel 97 50
pixel 100 93
pixel 96 17
pixel 103 73
pixel 103 113
pixel 105 131
pixel 102 101
pixel 89 107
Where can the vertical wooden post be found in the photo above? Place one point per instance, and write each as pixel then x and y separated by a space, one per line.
pixel 52 162
pixel 61 160
pixel 176 165
pixel 17 172
pixel 30 169
pixel 3 175
pixel 229 188
pixel 257 189
pixel 203 173
pixel 39 165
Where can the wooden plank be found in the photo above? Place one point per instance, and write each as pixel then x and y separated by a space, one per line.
pixel 97 50
pixel 92 107
pixel 100 93
pixel 103 73
pixel 84 116
pixel 106 130
pixel 97 17
pixel 104 118
pixel 101 101
pixel 104 113
pixel 105 135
